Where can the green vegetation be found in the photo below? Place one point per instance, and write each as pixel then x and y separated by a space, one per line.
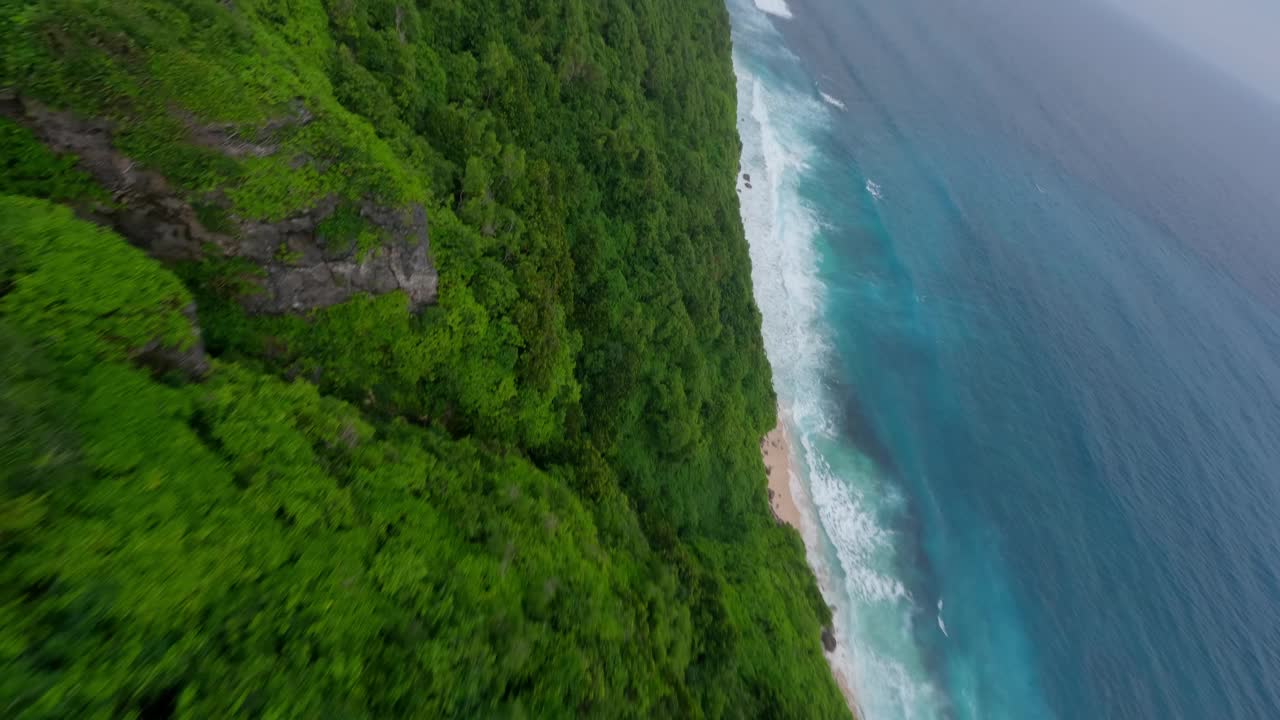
pixel 28 168
pixel 541 496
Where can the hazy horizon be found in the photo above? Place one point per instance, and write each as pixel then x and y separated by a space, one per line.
pixel 1236 36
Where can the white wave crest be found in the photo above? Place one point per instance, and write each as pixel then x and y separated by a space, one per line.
pixel 775 7
pixel 838 496
pixel 831 100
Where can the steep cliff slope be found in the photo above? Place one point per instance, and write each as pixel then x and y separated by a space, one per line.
pixel 382 359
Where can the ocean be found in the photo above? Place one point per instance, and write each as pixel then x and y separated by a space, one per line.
pixel 1019 267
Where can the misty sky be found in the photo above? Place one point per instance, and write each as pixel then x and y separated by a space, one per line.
pixel 1240 36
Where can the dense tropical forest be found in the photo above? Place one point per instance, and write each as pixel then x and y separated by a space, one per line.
pixel 382 358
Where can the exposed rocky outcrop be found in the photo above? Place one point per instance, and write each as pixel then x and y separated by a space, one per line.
pixel 300 269
pixel 163 359
pixel 828 639
pixel 234 141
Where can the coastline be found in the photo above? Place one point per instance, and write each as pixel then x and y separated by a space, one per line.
pixel 779 232
pixel 780 469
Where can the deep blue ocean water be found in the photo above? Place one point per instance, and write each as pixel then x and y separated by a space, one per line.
pixel 1019 266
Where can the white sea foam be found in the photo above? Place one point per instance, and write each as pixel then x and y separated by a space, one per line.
pixel 874 189
pixel 775 7
pixel 839 497
pixel 831 100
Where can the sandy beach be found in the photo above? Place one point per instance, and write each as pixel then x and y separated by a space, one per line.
pixel 776 448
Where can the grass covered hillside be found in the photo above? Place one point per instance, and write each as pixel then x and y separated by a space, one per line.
pixel 381 358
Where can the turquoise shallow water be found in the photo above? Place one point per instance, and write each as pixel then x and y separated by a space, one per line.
pixel 1020 272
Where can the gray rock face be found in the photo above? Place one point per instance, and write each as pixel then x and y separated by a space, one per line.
pixel 300 270
pixel 162 359
pixel 231 140
pixel 828 639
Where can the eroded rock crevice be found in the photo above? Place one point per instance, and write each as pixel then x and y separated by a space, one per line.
pixel 300 269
